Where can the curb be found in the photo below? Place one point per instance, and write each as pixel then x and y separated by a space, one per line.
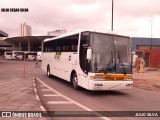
pixel 42 106
pixel 157 85
pixel 140 79
pixel 152 69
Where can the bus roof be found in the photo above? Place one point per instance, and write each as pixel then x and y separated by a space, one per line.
pixel 79 31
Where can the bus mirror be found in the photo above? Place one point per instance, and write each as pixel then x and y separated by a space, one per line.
pixel 89 54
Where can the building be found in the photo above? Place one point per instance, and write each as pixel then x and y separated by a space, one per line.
pixel 25 30
pixel 3 44
pixel 56 32
pixel 145 43
pixel 151 57
pixel 149 49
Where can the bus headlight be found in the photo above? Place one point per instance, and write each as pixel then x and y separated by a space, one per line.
pixel 92 77
pixel 128 79
pixel 96 78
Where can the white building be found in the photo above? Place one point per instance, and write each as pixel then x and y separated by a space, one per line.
pixel 25 30
pixel 56 32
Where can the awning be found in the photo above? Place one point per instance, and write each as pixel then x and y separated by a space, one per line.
pixel 3 34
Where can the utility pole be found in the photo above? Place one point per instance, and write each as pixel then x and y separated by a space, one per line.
pixel 24 65
pixel 151 32
pixel 112 15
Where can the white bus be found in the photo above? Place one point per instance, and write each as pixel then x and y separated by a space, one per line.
pixel 90 59
pixel 17 55
pixel 8 55
pixel 31 55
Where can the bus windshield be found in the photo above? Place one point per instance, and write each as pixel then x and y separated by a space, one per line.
pixel 123 54
pixel 103 52
pixel 110 53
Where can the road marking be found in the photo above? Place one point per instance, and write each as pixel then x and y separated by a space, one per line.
pixel 42 85
pixel 46 90
pixel 42 108
pixel 35 90
pixel 59 102
pixel 69 99
pixel 37 97
pixel 50 95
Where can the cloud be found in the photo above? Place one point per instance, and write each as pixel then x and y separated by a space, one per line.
pixel 141 8
pixel 48 15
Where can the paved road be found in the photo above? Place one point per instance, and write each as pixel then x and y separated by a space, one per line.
pixel 120 100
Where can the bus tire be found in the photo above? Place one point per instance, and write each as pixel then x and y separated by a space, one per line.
pixel 75 81
pixel 48 72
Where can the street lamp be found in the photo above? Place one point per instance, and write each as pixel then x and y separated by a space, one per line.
pixel 151 33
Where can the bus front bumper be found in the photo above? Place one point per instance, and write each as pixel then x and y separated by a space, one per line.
pixel 109 85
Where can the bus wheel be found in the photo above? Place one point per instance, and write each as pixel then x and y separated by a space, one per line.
pixel 75 81
pixel 48 72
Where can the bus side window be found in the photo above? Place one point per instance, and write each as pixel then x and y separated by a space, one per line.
pixel 74 43
pixel 74 47
pixel 84 44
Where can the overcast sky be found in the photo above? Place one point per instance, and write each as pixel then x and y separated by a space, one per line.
pixel 131 17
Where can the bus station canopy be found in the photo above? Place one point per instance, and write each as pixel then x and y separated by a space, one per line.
pixel 27 43
pixel 5 44
pixel 3 34
pixel 26 38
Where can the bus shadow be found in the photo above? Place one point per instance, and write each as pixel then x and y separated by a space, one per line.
pixel 105 92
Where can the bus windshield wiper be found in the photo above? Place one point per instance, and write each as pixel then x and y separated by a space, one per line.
pixel 120 61
pixel 110 66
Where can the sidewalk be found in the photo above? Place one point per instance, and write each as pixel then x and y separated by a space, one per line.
pixel 149 73
pixel 149 80
pixel 17 94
